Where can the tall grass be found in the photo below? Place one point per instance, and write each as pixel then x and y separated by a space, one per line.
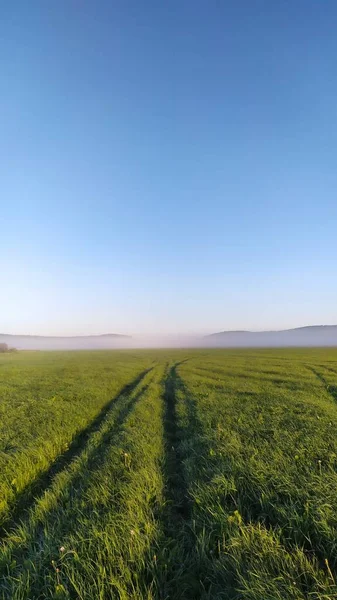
pixel 174 475
pixel 47 399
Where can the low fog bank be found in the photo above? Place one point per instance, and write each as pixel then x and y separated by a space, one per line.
pixel 91 342
pixel 166 341
pixel 100 342
pixel 325 335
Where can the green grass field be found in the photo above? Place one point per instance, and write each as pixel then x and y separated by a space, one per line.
pixel 163 475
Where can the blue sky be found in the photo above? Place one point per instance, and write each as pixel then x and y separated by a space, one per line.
pixel 167 167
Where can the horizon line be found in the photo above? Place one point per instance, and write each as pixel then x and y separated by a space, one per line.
pixel 158 334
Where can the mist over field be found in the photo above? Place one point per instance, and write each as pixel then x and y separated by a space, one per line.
pixel 302 336
pixel 91 342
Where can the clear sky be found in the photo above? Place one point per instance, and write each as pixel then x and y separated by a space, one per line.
pixel 167 166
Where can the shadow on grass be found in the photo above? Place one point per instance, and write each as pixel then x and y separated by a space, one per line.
pixel 71 501
pixel 176 573
pixel 175 490
pixel 26 500
pixel 190 543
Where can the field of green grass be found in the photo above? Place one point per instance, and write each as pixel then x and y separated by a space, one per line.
pixel 157 475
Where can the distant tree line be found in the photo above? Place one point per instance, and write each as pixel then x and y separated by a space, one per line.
pixel 5 348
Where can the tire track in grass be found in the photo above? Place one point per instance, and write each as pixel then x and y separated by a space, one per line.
pixel 331 389
pixel 172 547
pixel 30 495
pixel 178 565
pixel 329 369
pixel 248 514
pixel 176 494
pixel 89 464
pixel 191 544
pixel 57 519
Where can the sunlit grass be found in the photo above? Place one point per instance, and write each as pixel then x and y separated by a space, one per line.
pixel 212 475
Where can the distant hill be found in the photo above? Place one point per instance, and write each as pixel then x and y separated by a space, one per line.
pixel 86 342
pixel 317 335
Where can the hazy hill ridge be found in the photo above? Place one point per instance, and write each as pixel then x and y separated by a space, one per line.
pixel 317 335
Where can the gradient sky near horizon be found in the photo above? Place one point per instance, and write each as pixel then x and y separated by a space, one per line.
pixel 167 166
